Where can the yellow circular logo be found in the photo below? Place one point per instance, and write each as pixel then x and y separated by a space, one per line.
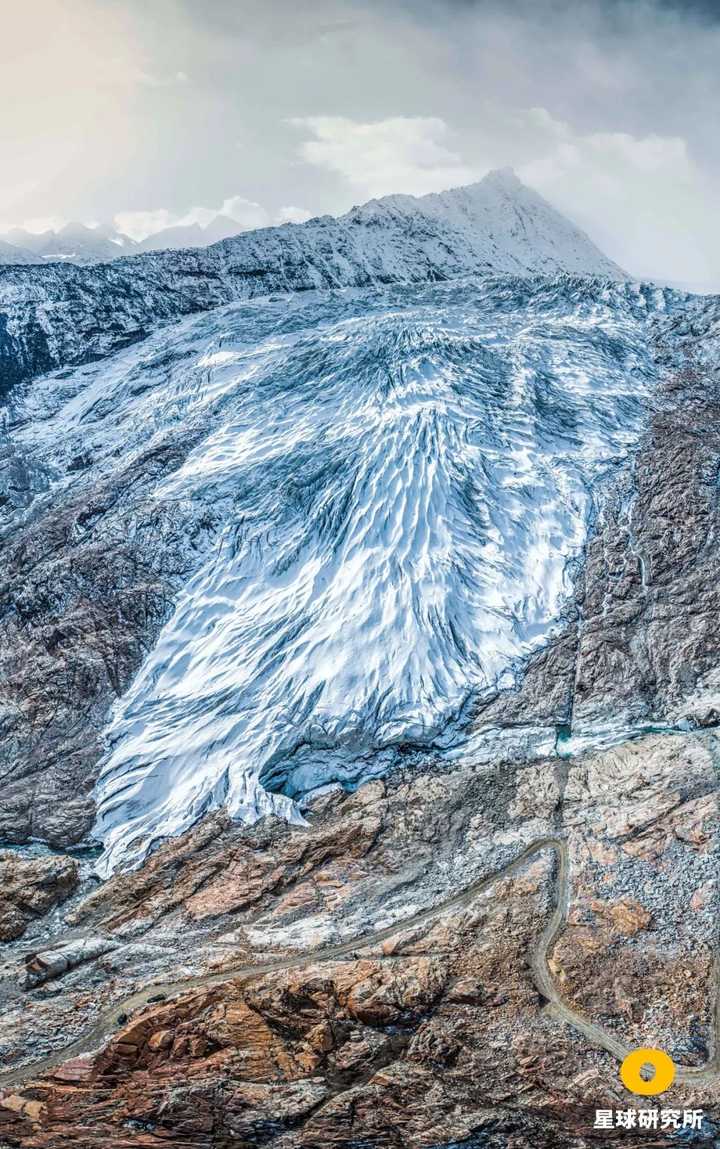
pixel 662 1078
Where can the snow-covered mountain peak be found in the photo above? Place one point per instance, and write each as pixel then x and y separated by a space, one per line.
pixel 496 224
pixel 504 179
pixel 75 228
pixel 499 222
pixel 499 179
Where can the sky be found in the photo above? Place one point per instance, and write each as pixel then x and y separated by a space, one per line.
pixel 152 114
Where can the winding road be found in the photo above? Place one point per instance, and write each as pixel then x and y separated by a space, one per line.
pixel 92 1038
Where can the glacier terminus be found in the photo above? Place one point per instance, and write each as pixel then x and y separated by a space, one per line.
pixel 402 476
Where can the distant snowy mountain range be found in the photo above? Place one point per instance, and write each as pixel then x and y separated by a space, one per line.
pixel 495 204
pixel 78 243
pixel 62 314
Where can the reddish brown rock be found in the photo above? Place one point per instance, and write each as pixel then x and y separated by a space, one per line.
pixel 431 1033
pixel 626 916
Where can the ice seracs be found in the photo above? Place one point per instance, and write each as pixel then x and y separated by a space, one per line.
pixel 400 477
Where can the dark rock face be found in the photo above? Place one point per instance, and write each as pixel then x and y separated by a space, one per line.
pixel 84 590
pixel 22 357
pixel 29 887
pixel 649 636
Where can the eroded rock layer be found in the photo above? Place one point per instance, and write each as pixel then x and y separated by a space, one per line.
pixel 313 1017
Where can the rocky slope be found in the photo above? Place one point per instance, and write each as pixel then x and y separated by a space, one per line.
pixel 304 1026
pixel 64 314
pixel 30 887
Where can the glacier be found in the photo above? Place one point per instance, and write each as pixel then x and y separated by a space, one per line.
pixel 62 314
pixel 403 476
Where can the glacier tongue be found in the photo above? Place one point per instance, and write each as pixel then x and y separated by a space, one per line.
pixel 405 476
pixel 400 477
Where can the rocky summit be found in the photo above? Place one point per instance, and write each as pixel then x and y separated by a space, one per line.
pixel 359 690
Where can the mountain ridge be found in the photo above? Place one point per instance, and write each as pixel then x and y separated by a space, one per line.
pixel 64 314
pixel 84 244
pixel 73 243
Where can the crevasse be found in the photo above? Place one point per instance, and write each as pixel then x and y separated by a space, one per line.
pixel 403 477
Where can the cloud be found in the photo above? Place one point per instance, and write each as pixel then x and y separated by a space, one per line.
pixel 424 93
pixel 151 80
pixel 139 224
pixel 247 213
pixel 292 214
pixel 643 197
pixel 401 154
pixel 36 225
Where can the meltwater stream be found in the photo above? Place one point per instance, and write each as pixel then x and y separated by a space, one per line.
pixel 405 476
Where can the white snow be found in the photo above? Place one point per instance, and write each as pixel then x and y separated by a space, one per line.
pixel 403 477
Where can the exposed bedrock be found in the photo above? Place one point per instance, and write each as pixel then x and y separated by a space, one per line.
pixel 29 887
pixel 432 1034
pixel 649 633
pixel 84 590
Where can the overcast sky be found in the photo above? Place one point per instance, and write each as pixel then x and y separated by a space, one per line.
pixel 156 111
